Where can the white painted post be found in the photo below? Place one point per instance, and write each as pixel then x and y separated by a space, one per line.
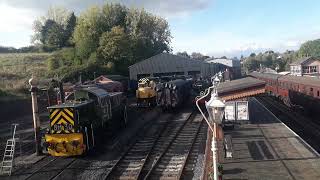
pixel 36 120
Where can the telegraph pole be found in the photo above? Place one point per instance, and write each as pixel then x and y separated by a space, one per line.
pixel 36 120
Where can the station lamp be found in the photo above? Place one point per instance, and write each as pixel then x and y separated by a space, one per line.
pixel 215 108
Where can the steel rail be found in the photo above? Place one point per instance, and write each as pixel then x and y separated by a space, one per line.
pixel 154 141
pixel 188 154
pixel 168 146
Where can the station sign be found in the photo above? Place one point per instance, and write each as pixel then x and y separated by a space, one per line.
pixel 242 110
pixel 236 111
pixel 229 111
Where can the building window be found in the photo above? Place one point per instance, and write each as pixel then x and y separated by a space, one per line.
pixel 309 69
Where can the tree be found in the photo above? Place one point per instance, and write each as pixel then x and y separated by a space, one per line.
pixel 114 15
pixel 252 54
pixel 55 14
pixel 183 54
pixel 251 64
pixel 109 35
pixel 150 34
pixel 87 32
pixel 53 63
pixel 71 24
pixel 51 35
pixel 93 23
pixel 198 56
pixel 310 48
pixel 114 46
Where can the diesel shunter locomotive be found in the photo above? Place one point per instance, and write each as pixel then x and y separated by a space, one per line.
pixel 77 124
pixel 146 93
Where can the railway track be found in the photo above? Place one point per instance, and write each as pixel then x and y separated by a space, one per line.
pixel 130 164
pixel 167 145
pixel 171 163
pixel 306 128
pixel 165 150
pixel 193 164
pixel 70 168
pixel 164 142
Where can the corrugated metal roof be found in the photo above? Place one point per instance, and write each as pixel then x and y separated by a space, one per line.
pixel 169 64
pixel 168 56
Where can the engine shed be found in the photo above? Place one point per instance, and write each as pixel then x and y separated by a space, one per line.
pixel 165 64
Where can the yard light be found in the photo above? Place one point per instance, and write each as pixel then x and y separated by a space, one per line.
pixel 215 108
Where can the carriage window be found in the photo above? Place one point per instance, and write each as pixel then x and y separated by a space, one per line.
pixel 318 94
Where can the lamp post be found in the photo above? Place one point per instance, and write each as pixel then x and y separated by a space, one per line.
pixel 215 108
pixel 36 120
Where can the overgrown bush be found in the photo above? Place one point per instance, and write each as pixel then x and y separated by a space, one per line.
pixel 53 63
pixel 72 74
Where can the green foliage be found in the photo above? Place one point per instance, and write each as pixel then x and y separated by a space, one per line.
pixel 150 34
pixel 270 59
pixel 183 54
pixel 114 15
pixel 115 45
pixel 54 30
pixel 198 56
pixel 71 24
pixel 72 74
pixel 251 64
pixel 146 34
pixel 310 48
pixel 88 31
pixel 111 37
pixel 52 35
pixel 93 59
pixel 66 56
pixel 53 63
pixel 3 94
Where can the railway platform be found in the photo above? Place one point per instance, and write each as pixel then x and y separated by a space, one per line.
pixel 265 148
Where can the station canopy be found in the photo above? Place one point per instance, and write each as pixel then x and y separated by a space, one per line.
pixel 241 88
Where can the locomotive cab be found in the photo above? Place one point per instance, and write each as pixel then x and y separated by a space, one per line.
pixel 146 92
pixel 69 127
pixel 75 124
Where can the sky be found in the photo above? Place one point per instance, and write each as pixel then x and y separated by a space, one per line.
pixel 211 27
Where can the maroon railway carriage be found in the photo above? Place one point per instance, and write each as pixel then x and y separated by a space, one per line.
pixel 295 91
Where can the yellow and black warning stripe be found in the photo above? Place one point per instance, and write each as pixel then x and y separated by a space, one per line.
pixel 62 118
